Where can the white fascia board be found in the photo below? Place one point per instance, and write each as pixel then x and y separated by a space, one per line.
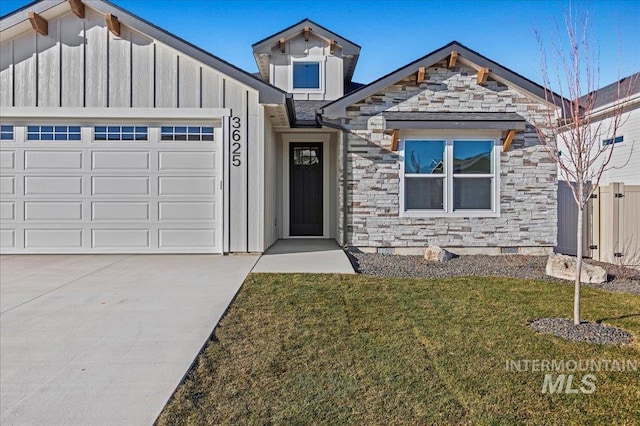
pixel 137 114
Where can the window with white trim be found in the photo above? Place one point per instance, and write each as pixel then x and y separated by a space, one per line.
pixel 186 133
pixel 120 133
pixel 53 133
pixel 6 132
pixel 449 177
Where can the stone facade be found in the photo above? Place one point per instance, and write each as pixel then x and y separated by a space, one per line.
pixel 528 184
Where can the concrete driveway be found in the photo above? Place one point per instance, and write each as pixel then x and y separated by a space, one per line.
pixel 105 339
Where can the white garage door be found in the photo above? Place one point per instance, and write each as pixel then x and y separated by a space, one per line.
pixel 111 187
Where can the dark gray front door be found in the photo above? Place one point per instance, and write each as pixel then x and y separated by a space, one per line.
pixel 305 189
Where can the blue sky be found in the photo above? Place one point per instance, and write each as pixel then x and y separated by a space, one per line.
pixel 394 33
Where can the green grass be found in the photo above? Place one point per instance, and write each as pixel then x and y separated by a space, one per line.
pixel 331 349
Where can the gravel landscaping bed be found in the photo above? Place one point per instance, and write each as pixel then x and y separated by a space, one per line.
pixel 514 266
pixel 590 332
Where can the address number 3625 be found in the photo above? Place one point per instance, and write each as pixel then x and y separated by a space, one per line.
pixel 236 147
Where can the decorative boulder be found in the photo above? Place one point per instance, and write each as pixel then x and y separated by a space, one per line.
pixel 436 254
pixel 564 267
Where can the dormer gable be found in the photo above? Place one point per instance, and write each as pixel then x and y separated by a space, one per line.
pixel 307 60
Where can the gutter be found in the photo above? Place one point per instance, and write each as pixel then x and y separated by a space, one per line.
pixel 320 120
pixel 621 106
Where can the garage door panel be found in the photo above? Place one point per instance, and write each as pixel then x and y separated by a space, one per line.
pixel 120 185
pixel 7 210
pixel 53 185
pixel 120 238
pixel 179 160
pixel 7 185
pixel 120 160
pixel 39 210
pixel 7 238
pixel 183 185
pixel 120 211
pixel 187 211
pixel 7 160
pixel 53 238
pixel 45 160
pixel 187 238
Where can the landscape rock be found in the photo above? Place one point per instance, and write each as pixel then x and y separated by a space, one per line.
pixel 590 332
pixel 437 254
pixel 564 267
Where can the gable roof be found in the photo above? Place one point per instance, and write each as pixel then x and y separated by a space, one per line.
pixel 268 94
pixel 611 93
pixel 337 108
pixel 350 50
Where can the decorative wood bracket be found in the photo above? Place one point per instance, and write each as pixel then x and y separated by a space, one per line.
pixel 332 46
pixel 483 73
pixel 453 58
pixel 394 140
pixel 113 24
pixel 77 7
pixel 282 45
pixel 39 24
pixel 506 145
pixel 420 78
pixel 307 32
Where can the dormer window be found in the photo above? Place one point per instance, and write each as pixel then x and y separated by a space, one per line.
pixel 306 75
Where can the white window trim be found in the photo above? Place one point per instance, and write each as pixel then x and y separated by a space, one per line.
pixel 448 177
pixel 321 60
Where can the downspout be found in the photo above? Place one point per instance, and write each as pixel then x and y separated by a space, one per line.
pixel 344 131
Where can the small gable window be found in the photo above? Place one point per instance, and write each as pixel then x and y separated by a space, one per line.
pixel 306 75
pixel 449 177
pixel 618 139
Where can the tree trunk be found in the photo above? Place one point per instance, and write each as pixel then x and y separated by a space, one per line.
pixel 576 289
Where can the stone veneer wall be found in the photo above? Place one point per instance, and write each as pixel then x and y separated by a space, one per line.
pixel 528 184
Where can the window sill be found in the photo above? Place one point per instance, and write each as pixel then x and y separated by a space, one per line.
pixel 307 90
pixel 459 214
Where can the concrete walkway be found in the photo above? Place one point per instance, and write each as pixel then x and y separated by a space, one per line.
pixel 105 339
pixel 305 255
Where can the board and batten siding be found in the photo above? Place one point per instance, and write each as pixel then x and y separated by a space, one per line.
pixel 81 64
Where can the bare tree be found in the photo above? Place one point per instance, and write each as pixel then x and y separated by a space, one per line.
pixel 573 132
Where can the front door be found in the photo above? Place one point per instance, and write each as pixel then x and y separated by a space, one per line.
pixel 305 189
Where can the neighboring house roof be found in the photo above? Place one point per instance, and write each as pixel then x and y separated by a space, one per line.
pixel 454 120
pixel 337 108
pixel 268 94
pixel 620 89
pixel 350 50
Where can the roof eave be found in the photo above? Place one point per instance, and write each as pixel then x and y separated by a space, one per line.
pixel 265 45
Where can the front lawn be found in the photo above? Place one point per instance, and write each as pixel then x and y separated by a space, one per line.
pixel 332 349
